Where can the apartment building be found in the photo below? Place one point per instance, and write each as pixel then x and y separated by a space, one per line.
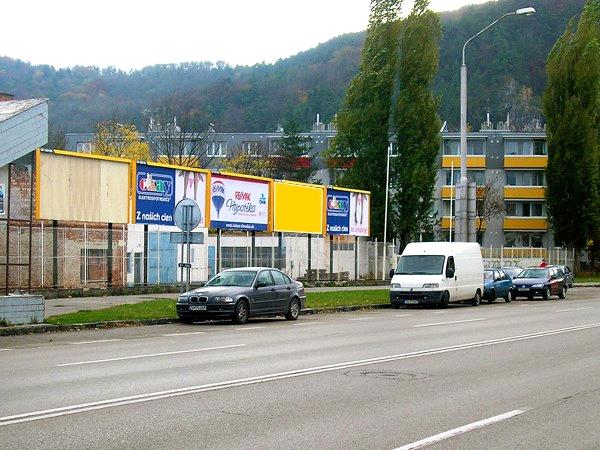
pixel 512 166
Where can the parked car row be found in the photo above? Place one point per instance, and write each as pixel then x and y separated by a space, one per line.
pixel 430 273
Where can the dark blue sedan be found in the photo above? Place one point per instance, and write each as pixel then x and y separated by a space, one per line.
pixel 496 284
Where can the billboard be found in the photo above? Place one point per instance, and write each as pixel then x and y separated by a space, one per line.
pixel 338 211
pixel 82 188
pixel 360 213
pixel 298 208
pixel 159 188
pixel 239 203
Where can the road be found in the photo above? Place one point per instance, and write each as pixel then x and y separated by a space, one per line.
pixel 519 375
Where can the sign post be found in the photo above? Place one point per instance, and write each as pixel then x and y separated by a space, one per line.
pixel 187 216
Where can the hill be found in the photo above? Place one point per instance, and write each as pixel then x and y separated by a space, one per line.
pixel 506 72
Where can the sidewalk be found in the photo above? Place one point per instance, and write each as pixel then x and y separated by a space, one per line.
pixel 66 305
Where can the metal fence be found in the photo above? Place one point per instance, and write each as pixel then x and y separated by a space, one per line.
pixel 96 257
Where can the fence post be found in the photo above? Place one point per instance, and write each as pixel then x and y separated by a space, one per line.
pixel 376 258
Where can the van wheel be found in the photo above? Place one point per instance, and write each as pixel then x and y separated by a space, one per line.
pixel 445 300
pixel 477 299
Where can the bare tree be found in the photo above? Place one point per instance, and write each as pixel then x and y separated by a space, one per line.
pixel 490 200
pixel 180 135
pixel 251 159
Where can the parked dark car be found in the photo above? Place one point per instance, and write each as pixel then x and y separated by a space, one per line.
pixel 497 284
pixel 540 282
pixel 569 275
pixel 238 294
pixel 512 271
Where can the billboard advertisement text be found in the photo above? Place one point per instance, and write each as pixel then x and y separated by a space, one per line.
pixel 338 211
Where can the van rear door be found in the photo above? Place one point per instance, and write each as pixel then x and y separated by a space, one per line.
pixel 451 282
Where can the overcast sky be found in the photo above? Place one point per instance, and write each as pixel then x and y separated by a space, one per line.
pixel 130 34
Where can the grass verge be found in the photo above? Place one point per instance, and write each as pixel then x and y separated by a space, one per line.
pixel 159 309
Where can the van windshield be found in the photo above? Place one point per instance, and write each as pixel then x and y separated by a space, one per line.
pixel 421 265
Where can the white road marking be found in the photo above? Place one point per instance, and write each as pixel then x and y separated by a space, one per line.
pixel 362 318
pixel 5 349
pixel 306 323
pixel 102 404
pixel 440 312
pixel 448 323
pixel 94 342
pixel 248 328
pixel 150 355
pixel 403 315
pixel 574 309
pixel 184 334
pixel 460 430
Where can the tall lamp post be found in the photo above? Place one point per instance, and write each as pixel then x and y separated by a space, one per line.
pixel 465 194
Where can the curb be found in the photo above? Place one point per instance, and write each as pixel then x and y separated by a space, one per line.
pixel 49 328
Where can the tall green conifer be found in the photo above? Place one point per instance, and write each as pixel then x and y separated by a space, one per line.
pixel 572 109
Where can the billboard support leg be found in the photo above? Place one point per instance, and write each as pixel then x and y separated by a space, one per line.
pixel 253 248
pixel 219 263
pixel 145 255
pixel 309 268
pixel 55 254
pixel 109 256
pixel 7 271
pixel 331 257
pixel 356 257
pixel 280 262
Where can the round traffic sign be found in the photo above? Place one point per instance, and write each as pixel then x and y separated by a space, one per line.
pixel 187 214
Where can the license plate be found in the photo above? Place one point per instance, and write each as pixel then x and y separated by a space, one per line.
pixel 198 308
pixel 411 302
pixel 523 289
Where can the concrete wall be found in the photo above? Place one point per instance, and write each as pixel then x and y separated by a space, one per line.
pixel 22 309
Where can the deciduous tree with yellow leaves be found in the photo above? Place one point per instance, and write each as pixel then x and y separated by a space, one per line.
pixel 120 140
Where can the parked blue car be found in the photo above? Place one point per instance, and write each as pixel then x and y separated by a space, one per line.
pixel 497 284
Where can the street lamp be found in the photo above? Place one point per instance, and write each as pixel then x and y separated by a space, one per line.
pixel 465 197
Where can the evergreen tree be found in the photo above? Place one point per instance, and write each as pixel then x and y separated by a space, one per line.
pixel 416 124
pixel 363 121
pixel 572 108
pixel 294 161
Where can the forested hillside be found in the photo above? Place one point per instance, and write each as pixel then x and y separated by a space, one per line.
pixel 506 72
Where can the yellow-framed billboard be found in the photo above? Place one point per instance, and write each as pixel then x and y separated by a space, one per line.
pixel 298 207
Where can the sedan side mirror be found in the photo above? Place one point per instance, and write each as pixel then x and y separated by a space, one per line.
pixel 261 284
pixel 449 273
pixel 392 273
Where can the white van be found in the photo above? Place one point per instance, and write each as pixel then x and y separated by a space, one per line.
pixel 437 273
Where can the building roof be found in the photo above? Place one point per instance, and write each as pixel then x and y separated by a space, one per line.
pixel 23 128
pixel 13 107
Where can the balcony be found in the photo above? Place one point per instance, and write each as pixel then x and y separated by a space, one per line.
pixel 524 192
pixel 473 162
pixel 446 223
pixel 525 162
pixel 526 223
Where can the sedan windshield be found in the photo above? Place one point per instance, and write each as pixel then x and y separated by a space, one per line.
pixel 512 271
pixel 534 273
pixel 420 265
pixel 242 278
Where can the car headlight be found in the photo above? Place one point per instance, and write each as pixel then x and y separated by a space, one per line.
pixel 431 285
pixel 182 299
pixel 396 286
pixel 222 299
pixel 538 286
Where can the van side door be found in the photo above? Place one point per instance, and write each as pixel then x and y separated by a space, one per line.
pixel 451 282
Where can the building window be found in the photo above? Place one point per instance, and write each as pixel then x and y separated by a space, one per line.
pixel 525 209
pixel 525 178
pixel 274 146
pixel 525 147
pixel 217 150
pixel 446 208
pixel 477 176
pixel 93 266
pixel 252 148
pixel 474 147
pixel 523 239
pixel 85 147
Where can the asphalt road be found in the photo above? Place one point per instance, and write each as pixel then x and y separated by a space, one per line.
pixel 519 375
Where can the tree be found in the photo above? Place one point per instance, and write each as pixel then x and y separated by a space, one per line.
pixel 119 140
pixel 416 125
pixel 294 161
pixel 489 201
pixel 572 109
pixel 363 122
pixel 180 134
pixel 258 162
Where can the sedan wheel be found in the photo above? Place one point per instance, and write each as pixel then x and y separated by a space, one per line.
pixel 563 293
pixel 241 312
pixel 293 310
pixel 546 294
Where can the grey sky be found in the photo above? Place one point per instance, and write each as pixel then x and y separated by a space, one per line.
pixel 131 34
